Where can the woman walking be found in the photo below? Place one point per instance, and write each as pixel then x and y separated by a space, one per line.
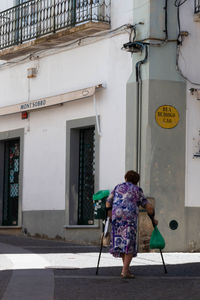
pixel 123 208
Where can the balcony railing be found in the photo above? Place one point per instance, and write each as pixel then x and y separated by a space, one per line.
pixel 196 6
pixel 35 18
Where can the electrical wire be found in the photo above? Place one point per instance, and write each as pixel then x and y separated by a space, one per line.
pixel 139 98
pixel 164 41
pixel 12 63
pixel 101 34
pixel 178 3
pixel 180 71
pixel 180 39
pixel 77 42
pixel 166 20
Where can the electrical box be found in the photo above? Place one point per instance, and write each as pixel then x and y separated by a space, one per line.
pixel 196 145
pixel 31 73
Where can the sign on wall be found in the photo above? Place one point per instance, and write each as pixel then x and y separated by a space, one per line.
pixel 167 116
pixel 48 101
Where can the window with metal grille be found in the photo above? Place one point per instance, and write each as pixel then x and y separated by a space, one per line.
pixel 86 176
pixel 82 161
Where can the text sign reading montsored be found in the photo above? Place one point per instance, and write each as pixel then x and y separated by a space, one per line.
pixel 167 116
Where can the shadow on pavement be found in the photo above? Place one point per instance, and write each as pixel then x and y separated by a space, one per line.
pixel 180 270
pixel 4 280
pixel 42 246
pixel 181 282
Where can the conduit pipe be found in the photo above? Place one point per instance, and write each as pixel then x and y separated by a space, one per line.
pixel 139 107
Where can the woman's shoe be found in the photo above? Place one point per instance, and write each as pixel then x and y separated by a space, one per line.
pixel 127 276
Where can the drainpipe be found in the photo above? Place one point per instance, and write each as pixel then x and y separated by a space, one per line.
pixel 139 107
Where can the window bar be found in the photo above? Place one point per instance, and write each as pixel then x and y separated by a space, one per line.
pixel 78 10
pixel 91 3
pixel 41 16
pixel 9 40
pixel 3 30
pixel 57 13
pixel 23 24
pixel 54 16
pixel 73 12
pixel 64 13
pixel 7 31
pixel 37 20
pixel 68 12
pixel 20 24
pixel 47 18
pixel 197 6
pixel 30 22
pixel 16 26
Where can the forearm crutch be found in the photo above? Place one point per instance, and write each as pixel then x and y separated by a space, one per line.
pixel 105 232
pixel 163 261
pixel 152 220
pixel 101 246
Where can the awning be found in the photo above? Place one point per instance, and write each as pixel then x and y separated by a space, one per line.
pixel 48 101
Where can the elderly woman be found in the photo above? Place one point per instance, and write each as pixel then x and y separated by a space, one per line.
pixel 122 206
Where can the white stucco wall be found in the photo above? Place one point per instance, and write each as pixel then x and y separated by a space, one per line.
pixel 121 12
pixel 190 65
pixel 45 130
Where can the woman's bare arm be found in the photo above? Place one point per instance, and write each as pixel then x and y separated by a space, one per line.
pixel 151 212
pixel 109 205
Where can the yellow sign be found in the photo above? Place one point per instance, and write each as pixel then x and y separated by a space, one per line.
pixel 167 116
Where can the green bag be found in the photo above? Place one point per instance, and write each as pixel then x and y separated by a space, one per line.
pixel 157 241
pixel 100 195
pixel 99 200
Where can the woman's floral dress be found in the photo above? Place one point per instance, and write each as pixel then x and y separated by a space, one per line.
pixel 125 200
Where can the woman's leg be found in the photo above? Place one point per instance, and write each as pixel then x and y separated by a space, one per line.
pixel 122 256
pixel 126 261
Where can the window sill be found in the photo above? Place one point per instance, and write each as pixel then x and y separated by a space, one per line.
pixel 81 226
pixel 10 227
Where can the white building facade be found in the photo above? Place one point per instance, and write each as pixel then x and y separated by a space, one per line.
pixel 76 112
pixel 75 99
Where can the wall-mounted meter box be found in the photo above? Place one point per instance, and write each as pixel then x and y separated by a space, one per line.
pixel 31 72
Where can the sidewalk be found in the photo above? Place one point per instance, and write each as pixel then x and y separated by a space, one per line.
pixel 39 269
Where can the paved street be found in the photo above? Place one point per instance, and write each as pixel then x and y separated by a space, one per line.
pixel 40 269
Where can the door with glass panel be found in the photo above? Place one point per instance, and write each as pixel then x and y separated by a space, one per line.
pixel 11 182
pixel 86 175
